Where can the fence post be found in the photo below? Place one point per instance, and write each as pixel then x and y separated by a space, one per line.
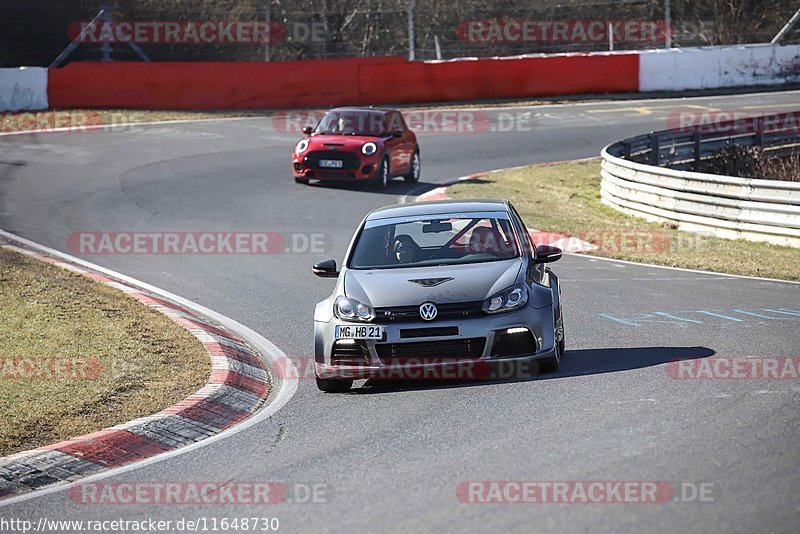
pixel 105 45
pixel 268 43
pixel 412 4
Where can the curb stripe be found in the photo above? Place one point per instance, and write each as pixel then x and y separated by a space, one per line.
pixel 237 387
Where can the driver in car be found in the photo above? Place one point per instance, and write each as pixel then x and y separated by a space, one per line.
pixel 406 249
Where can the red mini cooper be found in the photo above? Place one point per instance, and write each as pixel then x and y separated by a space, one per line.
pixel 352 144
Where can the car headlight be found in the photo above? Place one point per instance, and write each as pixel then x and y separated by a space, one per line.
pixel 369 149
pixel 353 310
pixel 513 298
pixel 301 147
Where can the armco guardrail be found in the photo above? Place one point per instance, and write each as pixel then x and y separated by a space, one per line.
pixel 647 176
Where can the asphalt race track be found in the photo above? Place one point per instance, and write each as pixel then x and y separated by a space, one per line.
pixel 394 456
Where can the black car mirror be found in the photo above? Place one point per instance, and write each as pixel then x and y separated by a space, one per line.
pixel 307 130
pixel 326 269
pixel 547 254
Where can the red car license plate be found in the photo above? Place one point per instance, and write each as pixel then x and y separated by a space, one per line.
pixel 330 163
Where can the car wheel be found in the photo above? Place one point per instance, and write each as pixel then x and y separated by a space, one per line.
pixel 416 169
pixel 381 180
pixel 301 180
pixel 334 385
pixel 562 344
pixel 551 364
pixel 548 365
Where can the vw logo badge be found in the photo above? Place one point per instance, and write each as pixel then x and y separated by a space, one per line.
pixel 428 311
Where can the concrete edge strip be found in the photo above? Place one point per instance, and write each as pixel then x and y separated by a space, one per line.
pixel 440 193
pixel 239 387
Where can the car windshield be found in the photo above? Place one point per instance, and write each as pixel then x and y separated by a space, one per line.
pixel 436 240
pixel 365 123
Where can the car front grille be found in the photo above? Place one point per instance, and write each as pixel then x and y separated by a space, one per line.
pixel 446 312
pixel 409 333
pixel 350 162
pixel 431 351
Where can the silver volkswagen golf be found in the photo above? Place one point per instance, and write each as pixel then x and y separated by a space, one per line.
pixel 438 290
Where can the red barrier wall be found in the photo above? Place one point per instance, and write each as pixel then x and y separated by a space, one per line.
pixel 334 82
pixel 240 85
pixel 500 78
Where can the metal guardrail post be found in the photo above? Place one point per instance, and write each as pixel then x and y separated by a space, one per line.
pixel 698 141
pixel 655 149
pixel 759 124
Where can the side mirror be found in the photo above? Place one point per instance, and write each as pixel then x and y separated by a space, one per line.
pixel 398 133
pixel 307 130
pixel 547 254
pixel 326 269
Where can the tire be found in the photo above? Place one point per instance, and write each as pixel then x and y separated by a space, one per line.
pixel 551 364
pixel 334 385
pixel 381 180
pixel 416 169
pixel 301 180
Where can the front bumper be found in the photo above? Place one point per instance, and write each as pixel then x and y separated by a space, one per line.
pixel 488 364
pixel 365 168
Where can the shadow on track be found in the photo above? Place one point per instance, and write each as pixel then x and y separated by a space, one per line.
pixel 395 187
pixel 574 363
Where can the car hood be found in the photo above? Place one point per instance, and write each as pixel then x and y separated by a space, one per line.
pixel 350 143
pixel 391 287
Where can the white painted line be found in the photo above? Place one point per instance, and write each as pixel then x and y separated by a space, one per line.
pixel 283 388
pixel 122 126
pixel 698 271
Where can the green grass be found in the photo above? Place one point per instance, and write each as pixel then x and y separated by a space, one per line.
pixel 564 198
pixel 140 361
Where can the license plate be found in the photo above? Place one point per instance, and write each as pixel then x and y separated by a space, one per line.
pixel 331 163
pixel 359 332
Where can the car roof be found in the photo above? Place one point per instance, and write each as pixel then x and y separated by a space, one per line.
pixel 371 110
pixel 439 207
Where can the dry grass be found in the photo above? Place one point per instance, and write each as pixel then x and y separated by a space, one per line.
pixel 81 119
pixel 565 199
pixel 140 361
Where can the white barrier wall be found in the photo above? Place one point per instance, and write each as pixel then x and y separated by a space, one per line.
pixel 23 88
pixel 677 69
